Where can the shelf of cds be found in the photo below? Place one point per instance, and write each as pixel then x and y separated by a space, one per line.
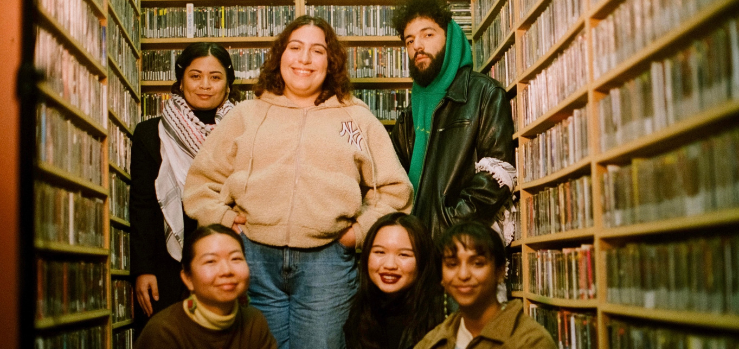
pixel 124 109
pixel 378 63
pixel 628 159
pixel 88 54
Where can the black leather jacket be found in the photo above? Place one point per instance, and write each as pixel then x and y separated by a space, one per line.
pixel 472 121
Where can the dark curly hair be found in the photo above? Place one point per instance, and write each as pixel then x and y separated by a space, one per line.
pixel 204 49
pixel 422 301
pixel 436 10
pixel 337 75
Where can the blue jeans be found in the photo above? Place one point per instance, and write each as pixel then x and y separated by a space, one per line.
pixel 305 294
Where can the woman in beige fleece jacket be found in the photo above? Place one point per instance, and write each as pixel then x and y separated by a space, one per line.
pixel 304 171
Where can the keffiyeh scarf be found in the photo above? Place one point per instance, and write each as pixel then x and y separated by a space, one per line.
pixel 503 223
pixel 181 134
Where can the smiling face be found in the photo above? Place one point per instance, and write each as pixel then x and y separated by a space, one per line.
pixel 218 273
pixel 392 261
pixel 425 42
pixel 204 84
pixel 303 65
pixel 472 279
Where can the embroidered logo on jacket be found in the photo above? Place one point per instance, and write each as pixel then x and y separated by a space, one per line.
pixel 355 137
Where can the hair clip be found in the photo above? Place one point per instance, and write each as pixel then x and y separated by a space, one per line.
pixel 179 66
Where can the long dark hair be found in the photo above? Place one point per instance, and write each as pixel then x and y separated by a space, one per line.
pixel 204 49
pixel 422 301
pixel 337 80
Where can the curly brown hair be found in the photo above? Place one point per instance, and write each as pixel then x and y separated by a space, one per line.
pixel 337 75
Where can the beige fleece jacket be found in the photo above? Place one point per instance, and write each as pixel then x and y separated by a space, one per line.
pixel 300 176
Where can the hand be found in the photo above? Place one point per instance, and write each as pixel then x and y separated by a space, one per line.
pixel 348 238
pixel 237 221
pixel 144 283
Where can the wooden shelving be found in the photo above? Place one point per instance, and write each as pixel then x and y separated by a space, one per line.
pixel 182 3
pixel 117 272
pixel 135 6
pixel 371 40
pixel 561 238
pixel 123 323
pixel 126 34
pixel 120 222
pixel 52 173
pixel 707 320
pixel 62 259
pixel 255 41
pixel 579 167
pixel 598 239
pixel 706 220
pixel 97 8
pixel 113 65
pixel 550 55
pixel 119 123
pixel 356 81
pixel 68 319
pixel 688 129
pixel 499 51
pixel 60 247
pixel 663 46
pixel 94 64
pixel 82 120
pixel 556 114
pixel 120 172
pixel 479 28
pixel 564 303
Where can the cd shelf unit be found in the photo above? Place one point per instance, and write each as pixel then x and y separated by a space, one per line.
pixel 627 134
pixel 124 112
pixel 70 179
pixel 368 80
pixel 87 52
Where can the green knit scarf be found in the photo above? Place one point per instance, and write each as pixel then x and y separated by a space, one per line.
pixel 425 99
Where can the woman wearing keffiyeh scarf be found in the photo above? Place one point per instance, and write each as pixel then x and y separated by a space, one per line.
pixel 163 149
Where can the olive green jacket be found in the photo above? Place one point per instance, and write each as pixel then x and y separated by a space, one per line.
pixel 508 330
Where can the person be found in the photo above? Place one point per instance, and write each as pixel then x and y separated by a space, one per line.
pixel 473 264
pixel 399 294
pixel 215 272
pixel 304 171
pixel 455 139
pixel 161 153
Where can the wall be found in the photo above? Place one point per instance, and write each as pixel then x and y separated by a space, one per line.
pixel 10 42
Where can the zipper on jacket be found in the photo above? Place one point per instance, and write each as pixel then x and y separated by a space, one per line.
pixel 297 173
pixel 428 140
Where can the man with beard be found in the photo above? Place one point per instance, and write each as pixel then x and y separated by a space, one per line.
pixel 455 140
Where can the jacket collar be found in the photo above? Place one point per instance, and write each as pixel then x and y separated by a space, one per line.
pixel 458 89
pixel 332 102
pixel 498 330
pixel 502 326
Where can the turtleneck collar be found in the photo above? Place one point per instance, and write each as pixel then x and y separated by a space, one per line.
pixel 207 318
pixel 208 117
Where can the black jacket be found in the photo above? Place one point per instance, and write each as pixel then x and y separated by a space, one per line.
pixel 472 121
pixel 148 244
